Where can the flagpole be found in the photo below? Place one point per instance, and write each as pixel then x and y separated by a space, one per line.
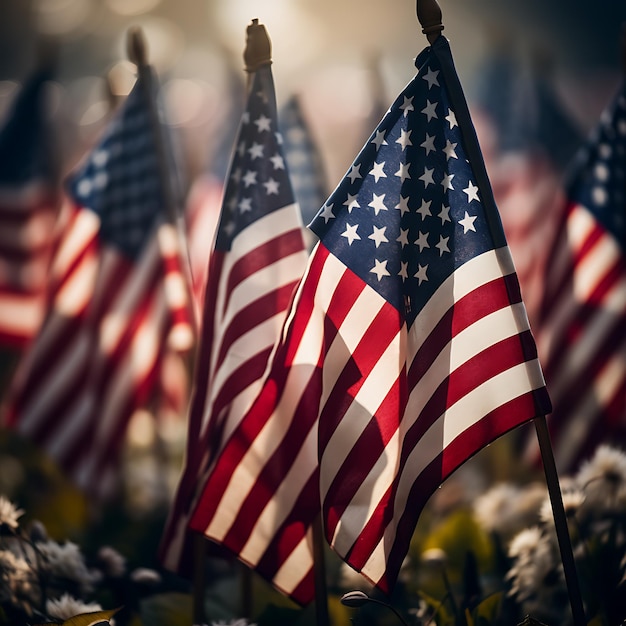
pixel 137 54
pixel 430 18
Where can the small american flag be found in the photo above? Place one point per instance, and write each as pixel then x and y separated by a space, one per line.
pixel 580 332
pixel 118 301
pixel 29 202
pixel 407 349
pixel 259 257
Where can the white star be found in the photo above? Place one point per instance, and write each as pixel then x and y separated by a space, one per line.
pixel 468 223
pixel 403 171
pixel 263 123
pixel 327 213
pixel 403 205
pixel 379 140
pixel 428 144
pixel 84 187
pixel 446 182
pixel 278 162
pixel 443 245
pixel 351 203
pixel 245 205
pixel 424 210
pixel 377 171
pixel 380 269
pixel 241 148
pixel 421 273
pixel 403 273
pixel 449 150
pixel 245 118
pixel 451 117
pixel 404 139
pixel 279 138
pixel 431 78
pixel 403 239
pixel 236 175
pixel 422 240
pixel 444 214
pixel 378 236
pixel 472 192
pixel 354 173
pixel 256 150
pixel 229 229
pixel 407 105
pixel 429 110
pixel 427 177
pixel 271 186
pixel 100 157
pixel 232 204
pixel 249 178
pixel 350 233
pixel 378 203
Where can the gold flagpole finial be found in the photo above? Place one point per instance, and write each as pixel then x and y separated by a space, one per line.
pixel 258 50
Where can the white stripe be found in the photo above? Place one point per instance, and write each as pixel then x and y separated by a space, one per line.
pixel 296 566
pixel 21 315
pixel 478 271
pixel 281 503
pixel 590 406
pixel 267 441
pixel 61 376
pixel 495 392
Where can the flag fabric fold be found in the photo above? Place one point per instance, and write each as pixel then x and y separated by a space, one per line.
pixel 580 334
pixel 259 255
pixel 406 350
pixel 29 203
pixel 117 302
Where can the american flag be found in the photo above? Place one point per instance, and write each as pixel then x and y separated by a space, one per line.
pixel 118 301
pixel 258 258
pixel 406 350
pixel 28 209
pixel 580 333
pixel 305 161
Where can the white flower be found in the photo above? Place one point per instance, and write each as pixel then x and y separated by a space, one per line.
pixel 113 563
pixel 534 560
pixel 506 508
pixel 66 562
pixel 9 514
pixel 67 607
pixel 572 501
pixel 145 575
pixel 18 584
pixel 603 481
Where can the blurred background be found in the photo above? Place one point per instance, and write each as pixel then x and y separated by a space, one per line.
pixel 347 59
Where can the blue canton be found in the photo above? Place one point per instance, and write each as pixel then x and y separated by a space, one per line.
pixel 258 180
pixel 408 212
pixel 121 181
pixel 597 175
pixel 24 146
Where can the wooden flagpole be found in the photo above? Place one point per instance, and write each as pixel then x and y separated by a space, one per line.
pixel 429 16
pixel 319 570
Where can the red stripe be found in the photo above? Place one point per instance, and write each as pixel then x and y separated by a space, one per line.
pixel 252 423
pixel 254 314
pixel 264 255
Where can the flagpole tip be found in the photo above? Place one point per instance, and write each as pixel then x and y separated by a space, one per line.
pixel 136 47
pixel 429 16
pixel 258 50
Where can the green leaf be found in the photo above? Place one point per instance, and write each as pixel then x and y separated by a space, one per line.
pixel 487 611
